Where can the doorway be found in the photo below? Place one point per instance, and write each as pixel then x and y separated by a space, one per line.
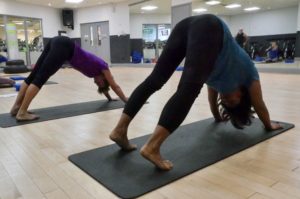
pixel 95 39
pixel 155 37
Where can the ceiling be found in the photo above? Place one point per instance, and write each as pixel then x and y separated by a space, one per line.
pixel 164 6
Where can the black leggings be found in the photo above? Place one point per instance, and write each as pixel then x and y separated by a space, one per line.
pixel 58 50
pixel 199 39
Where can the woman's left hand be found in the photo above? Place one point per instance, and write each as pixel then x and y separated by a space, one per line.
pixel 274 126
pixel 113 100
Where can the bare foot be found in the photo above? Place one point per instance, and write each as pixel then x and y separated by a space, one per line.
pixel 156 158
pixel 14 110
pixel 26 117
pixel 119 136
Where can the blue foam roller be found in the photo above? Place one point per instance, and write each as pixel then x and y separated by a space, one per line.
pixel 179 68
pixel 288 61
pixel 16 78
pixel 17 86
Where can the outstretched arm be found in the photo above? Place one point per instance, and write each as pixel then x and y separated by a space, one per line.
pixel 213 103
pixel 260 107
pixel 114 86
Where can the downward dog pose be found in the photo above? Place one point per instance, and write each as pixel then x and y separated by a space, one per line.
pixel 212 56
pixel 59 50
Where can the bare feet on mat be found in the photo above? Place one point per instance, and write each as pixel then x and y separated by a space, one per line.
pixel 155 157
pixel 26 117
pixel 119 136
pixel 14 110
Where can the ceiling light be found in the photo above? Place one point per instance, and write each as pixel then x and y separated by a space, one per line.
pixel 212 2
pixel 234 5
pixel 252 9
pixel 18 22
pixel 149 8
pixel 74 1
pixel 200 10
pixel 49 4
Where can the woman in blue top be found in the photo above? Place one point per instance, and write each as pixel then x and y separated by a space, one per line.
pixel 212 56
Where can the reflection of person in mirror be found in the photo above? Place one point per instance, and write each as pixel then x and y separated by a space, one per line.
pixel 273 52
pixel 241 38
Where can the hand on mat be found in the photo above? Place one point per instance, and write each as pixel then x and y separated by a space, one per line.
pixel 113 99
pixel 274 126
pixel 218 120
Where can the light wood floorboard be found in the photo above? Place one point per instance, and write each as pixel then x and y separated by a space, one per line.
pixel 34 164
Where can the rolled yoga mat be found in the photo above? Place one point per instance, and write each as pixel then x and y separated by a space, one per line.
pixel 191 147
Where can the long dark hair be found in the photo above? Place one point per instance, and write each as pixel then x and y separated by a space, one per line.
pixel 105 88
pixel 240 115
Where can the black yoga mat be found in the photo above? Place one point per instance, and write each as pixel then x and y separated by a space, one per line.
pixel 51 113
pixel 10 86
pixel 190 148
pixel 6 85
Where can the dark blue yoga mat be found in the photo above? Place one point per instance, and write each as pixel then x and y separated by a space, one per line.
pixel 191 147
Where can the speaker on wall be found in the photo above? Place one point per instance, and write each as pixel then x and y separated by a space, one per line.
pixel 67 17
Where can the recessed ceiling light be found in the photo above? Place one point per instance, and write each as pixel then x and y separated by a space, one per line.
pixel 234 5
pixel 252 9
pixel 149 7
pixel 18 22
pixel 213 2
pixel 74 1
pixel 200 10
pixel 49 4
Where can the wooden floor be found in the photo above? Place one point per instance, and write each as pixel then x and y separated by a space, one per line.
pixel 34 164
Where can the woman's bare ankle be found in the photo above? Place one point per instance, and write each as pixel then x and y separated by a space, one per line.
pixel 14 110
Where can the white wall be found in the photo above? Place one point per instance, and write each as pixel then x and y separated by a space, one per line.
pixel 137 21
pixel 298 18
pixel 273 22
pixel 51 17
pixel 226 19
pixel 116 14
pixel 281 21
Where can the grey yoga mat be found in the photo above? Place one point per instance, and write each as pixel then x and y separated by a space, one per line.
pixel 57 112
pixel 191 147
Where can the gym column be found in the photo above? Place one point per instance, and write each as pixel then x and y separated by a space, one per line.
pixel 180 9
pixel 297 50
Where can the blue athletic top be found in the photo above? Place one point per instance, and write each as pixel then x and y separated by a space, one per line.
pixel 233 67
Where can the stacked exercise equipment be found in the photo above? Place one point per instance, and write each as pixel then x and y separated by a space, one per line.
pixel 259 50
pixel 15 66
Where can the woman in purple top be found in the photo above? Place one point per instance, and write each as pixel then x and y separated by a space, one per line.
pixel 59 50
